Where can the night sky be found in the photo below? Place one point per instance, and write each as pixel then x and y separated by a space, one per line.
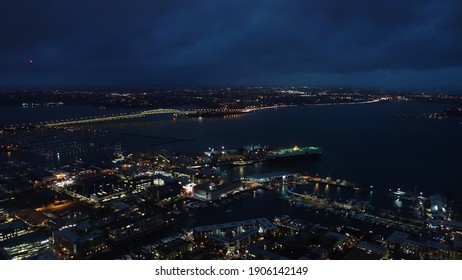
pixel 392 44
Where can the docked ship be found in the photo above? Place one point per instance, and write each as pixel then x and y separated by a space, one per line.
pixel 295 152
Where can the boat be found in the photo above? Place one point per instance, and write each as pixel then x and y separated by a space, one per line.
pixel 242 162
pixel 295 152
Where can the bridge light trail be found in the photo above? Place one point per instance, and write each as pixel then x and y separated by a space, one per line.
pixel 136 115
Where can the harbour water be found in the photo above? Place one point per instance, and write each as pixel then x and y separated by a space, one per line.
pixel 384 145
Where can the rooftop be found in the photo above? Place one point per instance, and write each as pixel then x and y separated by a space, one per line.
pixel 12 225
pixel 28 238
pixel 262 221
pixel 74 238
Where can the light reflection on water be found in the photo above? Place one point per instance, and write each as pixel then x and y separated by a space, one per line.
pixel 365 144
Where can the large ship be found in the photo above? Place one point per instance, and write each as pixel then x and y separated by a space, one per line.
pixel 295 152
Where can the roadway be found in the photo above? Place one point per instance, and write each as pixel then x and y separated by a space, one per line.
pixel 142 114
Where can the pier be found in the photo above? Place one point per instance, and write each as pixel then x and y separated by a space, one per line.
pixel 331 182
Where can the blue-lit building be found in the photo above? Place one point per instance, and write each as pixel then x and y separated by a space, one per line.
pixel 12 229
pixel 24 246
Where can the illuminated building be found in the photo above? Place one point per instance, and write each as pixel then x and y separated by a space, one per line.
pixel 12 229
pixel 367 251
pixel 160 187
pixel 422 249
pixel 24 246
pixel 70 244
pixel 257 251
pixel 268 177
pixel 165 188
pixel 137 224
pixel 210 192
pixel 234 235
pixel 140 183
pixel 190 174
pixel 173 249
pixel 339 239
pixel 100 188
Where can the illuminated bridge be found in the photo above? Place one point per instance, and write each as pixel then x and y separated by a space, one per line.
pixel 145 113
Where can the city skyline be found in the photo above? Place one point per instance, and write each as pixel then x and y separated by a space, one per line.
pixel 242 173
pixel 231 130
pixel 385 44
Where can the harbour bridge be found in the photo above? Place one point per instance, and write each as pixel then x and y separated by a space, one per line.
pixel 141 114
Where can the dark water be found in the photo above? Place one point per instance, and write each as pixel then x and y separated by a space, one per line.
pixel 17 115
pixel 371 144
pixel 13 115
pixel 256 206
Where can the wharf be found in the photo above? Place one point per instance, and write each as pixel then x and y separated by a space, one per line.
pixel 407 196
pixel 330 181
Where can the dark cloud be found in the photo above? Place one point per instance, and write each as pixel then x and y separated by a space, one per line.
pixel 212 42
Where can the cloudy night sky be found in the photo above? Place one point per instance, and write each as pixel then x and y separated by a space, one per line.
pixel 411 45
